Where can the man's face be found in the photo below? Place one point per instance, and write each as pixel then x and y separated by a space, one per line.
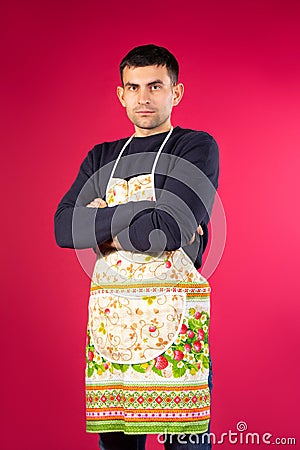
pixel 148 96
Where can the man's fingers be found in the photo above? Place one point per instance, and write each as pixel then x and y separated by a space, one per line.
pixel 199 230
pixel 116 243
pixel 97 203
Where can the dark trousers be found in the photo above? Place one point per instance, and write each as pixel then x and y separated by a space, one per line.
pixel 121 441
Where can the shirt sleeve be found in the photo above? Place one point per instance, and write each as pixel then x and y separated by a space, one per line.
pixel 184 202
pixel 77 226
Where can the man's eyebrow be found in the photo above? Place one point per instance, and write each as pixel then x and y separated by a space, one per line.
pixel 148 84
pixel 155 82
pixel 130 84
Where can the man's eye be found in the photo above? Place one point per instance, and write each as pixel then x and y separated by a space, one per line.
pixel 132 88
pixel 155 87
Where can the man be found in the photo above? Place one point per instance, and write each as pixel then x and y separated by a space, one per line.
pixel 143 204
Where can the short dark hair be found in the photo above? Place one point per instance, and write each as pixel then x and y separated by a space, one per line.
pixel 151 55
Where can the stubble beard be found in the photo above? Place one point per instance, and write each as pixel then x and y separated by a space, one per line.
pixel 146 124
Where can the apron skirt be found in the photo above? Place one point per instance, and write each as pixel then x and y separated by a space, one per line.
pixel 147 352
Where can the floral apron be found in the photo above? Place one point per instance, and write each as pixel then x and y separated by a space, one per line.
pixel 147 347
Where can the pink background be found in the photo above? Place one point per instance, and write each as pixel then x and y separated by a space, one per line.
pixel 240 65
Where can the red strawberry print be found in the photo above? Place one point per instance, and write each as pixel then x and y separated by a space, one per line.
pixel 187 347
pixel 152 328
pixel 168 264
pixel 191 334
pixel 200 334
pixel 161 362
pixel 183 329
pixel 178 355
pixel 90 356
pixel 119 262
pixel 197 315
pixel 197 346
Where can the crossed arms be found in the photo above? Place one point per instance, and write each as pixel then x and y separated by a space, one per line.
pixel 114 243
pixel 166 224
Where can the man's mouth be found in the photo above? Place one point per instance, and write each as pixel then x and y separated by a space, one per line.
pixel 144 112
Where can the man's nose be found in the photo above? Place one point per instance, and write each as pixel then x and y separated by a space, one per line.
pixel 144 98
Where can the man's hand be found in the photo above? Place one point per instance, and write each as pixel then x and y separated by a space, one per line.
pixel 199 231
pixel 97 203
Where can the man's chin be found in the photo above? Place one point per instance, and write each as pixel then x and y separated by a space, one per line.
pixel 146 126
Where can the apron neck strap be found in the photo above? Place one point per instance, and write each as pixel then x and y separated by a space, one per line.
pixel 160 150
pixel 119 156
pixel 128 142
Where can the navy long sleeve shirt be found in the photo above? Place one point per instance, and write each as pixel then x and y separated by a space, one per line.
pixel 186 177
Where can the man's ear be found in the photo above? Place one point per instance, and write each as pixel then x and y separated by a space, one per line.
pixel 178 91
pixel 120 95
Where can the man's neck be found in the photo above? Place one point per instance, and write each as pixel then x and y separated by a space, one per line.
pixel 144 132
